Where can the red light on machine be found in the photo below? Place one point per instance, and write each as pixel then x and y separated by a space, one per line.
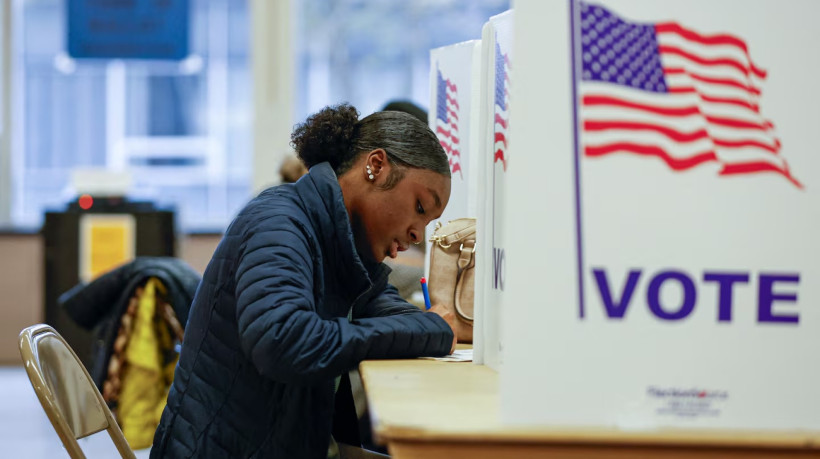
pixel 86 201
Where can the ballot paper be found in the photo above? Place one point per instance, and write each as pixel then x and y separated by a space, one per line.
pixel 464 355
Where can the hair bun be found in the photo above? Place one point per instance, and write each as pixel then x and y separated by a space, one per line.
pixel 326 136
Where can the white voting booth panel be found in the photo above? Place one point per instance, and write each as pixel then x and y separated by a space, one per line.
pixel 454 117
pixel 662 216
pixel 494 157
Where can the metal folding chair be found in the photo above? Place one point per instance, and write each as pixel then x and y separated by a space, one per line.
pixel 69 397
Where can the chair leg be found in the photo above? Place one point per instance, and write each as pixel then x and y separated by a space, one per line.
pixel 119 441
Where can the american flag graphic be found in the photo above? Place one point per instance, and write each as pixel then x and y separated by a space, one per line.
pixel 447 110
pixel 502 99
pixel 666 91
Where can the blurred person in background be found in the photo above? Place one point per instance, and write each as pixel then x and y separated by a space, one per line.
pixel 407 107
pixel 292 169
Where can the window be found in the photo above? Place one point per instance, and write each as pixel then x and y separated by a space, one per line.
pixel 368 52
pixel 182 128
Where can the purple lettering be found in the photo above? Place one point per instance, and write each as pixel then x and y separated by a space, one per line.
pixel 616 300
pixel 725 282
pixel 767 297
pixel 616 309
pixel 689 295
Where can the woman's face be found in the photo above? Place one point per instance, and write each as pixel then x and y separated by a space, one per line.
pixel 395 218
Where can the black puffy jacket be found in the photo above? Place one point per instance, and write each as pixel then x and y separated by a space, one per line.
pixel 268 331
pixel 99 304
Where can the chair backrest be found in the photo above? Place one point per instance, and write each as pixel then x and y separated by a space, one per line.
pixel 69 397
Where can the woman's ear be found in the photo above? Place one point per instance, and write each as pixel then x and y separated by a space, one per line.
pixel 376 165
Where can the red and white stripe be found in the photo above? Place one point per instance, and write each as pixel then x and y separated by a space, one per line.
pixel 710 115
pixel 501 120
pixel 447 132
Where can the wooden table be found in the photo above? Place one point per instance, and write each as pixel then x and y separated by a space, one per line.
pixel 428 409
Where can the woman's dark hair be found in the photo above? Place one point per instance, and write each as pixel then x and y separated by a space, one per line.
pixel 336 135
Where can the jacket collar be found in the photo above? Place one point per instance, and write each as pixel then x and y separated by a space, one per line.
pixel 322 195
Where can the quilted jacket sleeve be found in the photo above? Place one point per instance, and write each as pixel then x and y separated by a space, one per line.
pixel 388 303
pixel 283 336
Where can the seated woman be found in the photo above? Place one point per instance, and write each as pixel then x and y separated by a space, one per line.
pixel 296 293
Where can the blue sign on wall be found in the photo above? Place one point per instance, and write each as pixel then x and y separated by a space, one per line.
pixel 138 29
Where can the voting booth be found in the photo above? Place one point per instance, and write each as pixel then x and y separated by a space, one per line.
pixel 663 156
pixel 647 211
pixel 469 112
pixel 491 264
pixel 454 118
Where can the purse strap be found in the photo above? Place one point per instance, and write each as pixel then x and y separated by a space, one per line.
pixel 466 260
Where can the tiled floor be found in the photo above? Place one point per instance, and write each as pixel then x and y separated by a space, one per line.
pixel 25 431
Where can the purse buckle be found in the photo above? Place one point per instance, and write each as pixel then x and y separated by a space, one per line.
pixel 440 241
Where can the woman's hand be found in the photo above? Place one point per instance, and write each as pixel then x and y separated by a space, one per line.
pixel 449 318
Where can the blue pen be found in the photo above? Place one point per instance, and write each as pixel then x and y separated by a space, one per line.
pixel 427 304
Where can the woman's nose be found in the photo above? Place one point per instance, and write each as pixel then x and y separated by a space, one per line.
pixel 415 236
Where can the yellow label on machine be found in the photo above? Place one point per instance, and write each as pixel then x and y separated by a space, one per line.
pixel 106 241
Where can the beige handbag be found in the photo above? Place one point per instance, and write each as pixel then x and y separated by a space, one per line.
pixel 452 273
